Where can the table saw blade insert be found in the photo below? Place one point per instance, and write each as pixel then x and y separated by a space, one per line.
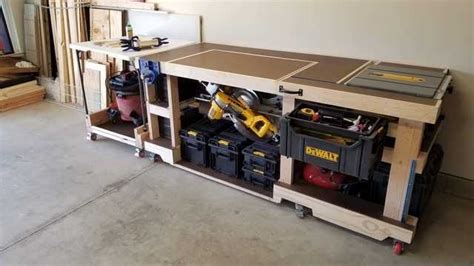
pixel 406 80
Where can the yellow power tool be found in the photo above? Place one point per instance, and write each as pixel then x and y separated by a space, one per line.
pixel 246 121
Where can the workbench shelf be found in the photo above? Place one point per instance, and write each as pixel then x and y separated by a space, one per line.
pixel 350 212
pixel 99 123
pixel 233 182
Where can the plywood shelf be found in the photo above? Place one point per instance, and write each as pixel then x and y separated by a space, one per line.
pixel 349 212
pixel 121 131
pixel 233 182
pixel 159 109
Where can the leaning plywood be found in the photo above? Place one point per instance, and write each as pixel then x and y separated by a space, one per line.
pixel 95 78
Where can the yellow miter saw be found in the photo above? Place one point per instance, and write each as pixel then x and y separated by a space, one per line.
pixel 240 109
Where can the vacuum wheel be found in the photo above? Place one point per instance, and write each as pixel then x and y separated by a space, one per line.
pixel 91 136
pixel 139 153
pixel 398 248
pixel 156 158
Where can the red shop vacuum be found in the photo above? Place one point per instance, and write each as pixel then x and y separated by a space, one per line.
pixel 127 96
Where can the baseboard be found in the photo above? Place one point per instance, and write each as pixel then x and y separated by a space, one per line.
pixel 457 186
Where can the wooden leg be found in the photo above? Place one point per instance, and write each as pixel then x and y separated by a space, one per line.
pixel 175 112
pixel 286 164
pixel 407 147
pixel 153 126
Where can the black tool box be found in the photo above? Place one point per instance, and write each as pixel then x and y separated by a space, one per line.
pixel 188 116
pixel 261 164
pixel 333 147
pixel 195 138
pixel 423 185
pixel 226 152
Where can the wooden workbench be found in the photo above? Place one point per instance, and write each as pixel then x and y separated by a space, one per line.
pixel 314 78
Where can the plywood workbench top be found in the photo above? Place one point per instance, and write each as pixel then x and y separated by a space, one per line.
pixel 321 77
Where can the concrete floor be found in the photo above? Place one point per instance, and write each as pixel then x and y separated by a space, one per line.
pixel 65 200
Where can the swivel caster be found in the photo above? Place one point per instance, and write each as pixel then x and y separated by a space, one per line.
pixel 156 158
pixel 301 211
pixel 139 153
pixel 91 136
pixel 398 247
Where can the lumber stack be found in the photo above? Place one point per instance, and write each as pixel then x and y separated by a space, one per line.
pixel 68 25
pixel 20 95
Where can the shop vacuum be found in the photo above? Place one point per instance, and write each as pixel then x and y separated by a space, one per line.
pixel 127 95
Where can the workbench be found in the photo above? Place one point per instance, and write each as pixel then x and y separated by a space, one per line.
pixel 98 123
pixel 308 77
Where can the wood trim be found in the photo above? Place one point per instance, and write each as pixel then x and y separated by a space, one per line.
pixel 353 220
pixel 297 71
pixel 262 55
pixel 191 55
pixel 407 148
pixel 357 70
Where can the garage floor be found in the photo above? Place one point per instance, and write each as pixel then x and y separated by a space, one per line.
pixel 65 200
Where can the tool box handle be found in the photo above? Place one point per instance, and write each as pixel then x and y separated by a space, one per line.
pixel 223 156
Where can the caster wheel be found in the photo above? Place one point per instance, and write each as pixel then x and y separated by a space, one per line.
pixel 398 248
pixel 92 136
pixel 139 153
pixel 155 158
pixel 300 211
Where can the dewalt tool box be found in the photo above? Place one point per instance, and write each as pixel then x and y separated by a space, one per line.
pixel 226 152
pixel 261 164
pixel 195 138
pixel 334 141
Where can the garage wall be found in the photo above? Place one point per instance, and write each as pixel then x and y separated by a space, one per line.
pixel 436 33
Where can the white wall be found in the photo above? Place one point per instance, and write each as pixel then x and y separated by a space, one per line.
pixel 436 33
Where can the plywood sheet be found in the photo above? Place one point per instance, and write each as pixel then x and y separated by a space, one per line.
pixel 244 64
pixel 331 71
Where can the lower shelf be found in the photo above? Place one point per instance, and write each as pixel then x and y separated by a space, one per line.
pixel 346 211
pixel 236 183
pixel 120 131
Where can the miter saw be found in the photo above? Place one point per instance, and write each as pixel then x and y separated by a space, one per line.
pixel 239 106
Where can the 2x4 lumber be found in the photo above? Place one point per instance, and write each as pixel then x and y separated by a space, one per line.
pixel 421 159
pixel 407 148
pixel 174 109
pixel 287 163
